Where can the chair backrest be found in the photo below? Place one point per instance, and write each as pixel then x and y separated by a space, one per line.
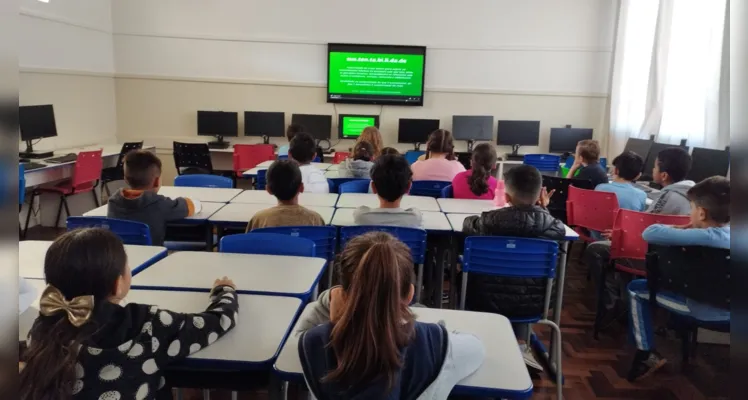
pixel 447 192
pixel 336 182
pixel 414 238
pixel 557 206
pixel 412 155
pixel 355 186
pixel 202 180
pixel 88 167
pixel 510 256
pixel 247 156
pixel 268 243
pixel 604 163
pixel 131 232
pixel 627 242
pixel 126 148
pixel 591 209
pixel 340 156
pixel 284 157
pixel 21 184
pixel 428 188
pixel 192 157
pixel 543 162
pixel 261 179
pixel 324 237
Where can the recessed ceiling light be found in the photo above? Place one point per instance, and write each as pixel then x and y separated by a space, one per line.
pixel 44 1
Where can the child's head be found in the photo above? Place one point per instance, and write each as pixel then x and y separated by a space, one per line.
pixel 79 264
pixel 293 129
pixel 373 321
pixel 391 177
pixel 303 149
pixel 363 151
pixel 482 163
pixel 371 135
pixel 523 184
pixel 440 142
pixel 389 151
pixel 710 202
pixel 672 165
pixel 142 170
pixel 284 180
pixel 628 166
pixel 589 150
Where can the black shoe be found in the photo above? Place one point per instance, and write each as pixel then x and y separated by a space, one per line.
pixel 616 314
pixel 645 364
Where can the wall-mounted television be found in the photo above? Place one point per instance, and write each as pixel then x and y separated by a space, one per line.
pixel 375 74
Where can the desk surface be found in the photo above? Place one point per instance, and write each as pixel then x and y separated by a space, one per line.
pixel 31 254
pixel 432 220
pixel 214 195
pixel 503 368
pixel 205 213
pixel 465 206
pixel 257 273
pixel 456 221
pixel 266 165
pixel 305 199
pixel 241 213
pixel 353 200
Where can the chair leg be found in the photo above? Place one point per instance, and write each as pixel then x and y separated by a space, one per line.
pixel 557 348
pixel 28 215
pixel 685 347
pixel 106 187
pixel 67 209
pixel 59 211
pixel 600 303
pixel 97 201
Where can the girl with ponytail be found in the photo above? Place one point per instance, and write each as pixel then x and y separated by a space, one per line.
pixel 439 162
pixel 477 182
pixel 361 340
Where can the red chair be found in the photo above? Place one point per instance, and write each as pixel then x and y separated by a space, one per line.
pixel 340 156
pixel 590 210
pixel 247 156
pixel 86 176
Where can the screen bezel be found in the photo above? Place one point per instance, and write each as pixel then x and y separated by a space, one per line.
pixel 374 100
pixel 340 124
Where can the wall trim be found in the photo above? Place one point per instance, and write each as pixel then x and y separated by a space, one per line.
pixel 62 71
pixel 61 20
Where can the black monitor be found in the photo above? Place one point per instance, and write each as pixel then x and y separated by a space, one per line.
pixel 472 127
pixel 652 156
pixel 36 122
pixel 516 134
pixel 564 140
pixel 265 124
pixel 415 130
pixel 639 146
pixel 707 163
pixel 350 126
pixel 219 124
pixel 317 125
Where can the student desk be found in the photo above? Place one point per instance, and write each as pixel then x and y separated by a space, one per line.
pixel 237 215
pixel 31 255
pixel 253 273
pixel 354 200
pixel 205 213
pixel 502 375
pixel 250 173
pixel 212 195
pixel 433 221
pixel 305 199
pixel 465 205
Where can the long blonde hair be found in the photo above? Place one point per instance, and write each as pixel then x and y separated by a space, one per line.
pixel 372 135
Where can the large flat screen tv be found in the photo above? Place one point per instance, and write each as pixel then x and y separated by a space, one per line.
pixel 375 74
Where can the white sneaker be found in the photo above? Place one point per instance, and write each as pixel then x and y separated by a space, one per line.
pixel 529 357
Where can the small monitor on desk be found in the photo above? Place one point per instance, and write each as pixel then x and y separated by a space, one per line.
pixel 472 128
pixel 706 163
pixel 350 126
pixel 516 134
pixel 317 125
pixel 641 147
pixel 219 124
pixel 415 130
pixel 649 162
pixel 564 140
pixel 264 124
pixel 36 122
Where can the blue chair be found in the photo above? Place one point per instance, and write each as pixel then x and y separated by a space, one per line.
pixel 543 162
pixel 203 180
pixel 267 243
pixel 414 238
pixel 261 180
pixel 570 161
pixel 131 232
pixel 604 163
pixel 317 159
pixel 283 157
pixel 428 188
pixel 516 258
pixel 412 155
pixel 357 186
pixel 447 192
pixel 336 182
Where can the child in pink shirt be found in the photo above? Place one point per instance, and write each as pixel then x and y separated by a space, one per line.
pixel 439 163
pixel 477 182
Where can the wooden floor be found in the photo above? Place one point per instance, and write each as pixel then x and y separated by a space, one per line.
pixel 596 369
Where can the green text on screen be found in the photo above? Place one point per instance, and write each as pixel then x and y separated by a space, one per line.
pixel 376 74
pixel 352 126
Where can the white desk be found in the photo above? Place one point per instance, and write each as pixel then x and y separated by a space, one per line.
pixel 334 174
pixel 256 273
pixel 502 374
pixel 238 213
pixel 456 221
pixel 305 199
pixel 267 164
pixel 205 213
pixel 353 200
pixel 31 254
pixel 213 195
pixel 466 206
pixel 432 220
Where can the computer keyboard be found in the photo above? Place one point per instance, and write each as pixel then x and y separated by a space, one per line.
pixel 62 159
pixel 30 166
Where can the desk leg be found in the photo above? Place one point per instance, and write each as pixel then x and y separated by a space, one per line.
pixel 208 237
pixel 561 280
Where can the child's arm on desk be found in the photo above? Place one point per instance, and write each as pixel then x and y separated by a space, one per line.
pixel 179 208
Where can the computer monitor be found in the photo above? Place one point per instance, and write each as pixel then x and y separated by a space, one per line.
pixel 350 126
pixel 219 124
pixel 265 124
pixel 472 127
pixel 516 134
pixel 36 122
pixel 415 130
pixel 652 156
pixel 317 125
pixel 707 163
pixel 564 140
pixel 641 147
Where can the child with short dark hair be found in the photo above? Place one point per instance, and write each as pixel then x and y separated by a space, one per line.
pixel 284 182
pixel 477 182
pixel 709 227
pixel 391 179
pixel 389 151
pixel 627 169
pixel 88 344
pixel 670 170
pixel 303 150
pixel 359 164
pixel 291 131
pixel 587 161
pixel 142 203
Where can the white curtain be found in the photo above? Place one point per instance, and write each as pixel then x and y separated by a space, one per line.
pixel 667 73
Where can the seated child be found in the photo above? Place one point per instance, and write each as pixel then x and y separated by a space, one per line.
pixel 439 162
pixel 303 150
pixel 372 136
pixel 477 182
pixel 390 180
pixel 389 151
pixel 142 203
pixel 359 164
pixel 284 182
pixel 88 343
pixel 709 227
pixel 291 131
pixel 361 340
pixel 586 160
